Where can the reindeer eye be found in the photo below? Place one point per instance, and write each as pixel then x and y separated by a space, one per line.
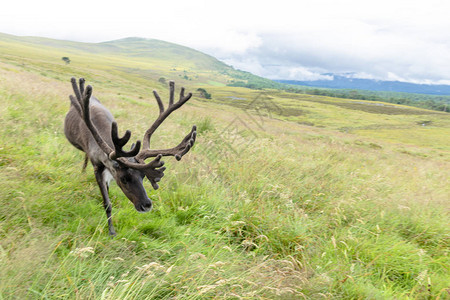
pixel 125 179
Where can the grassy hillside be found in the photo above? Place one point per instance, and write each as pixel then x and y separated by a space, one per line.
pixel 145 58
pixel 284 196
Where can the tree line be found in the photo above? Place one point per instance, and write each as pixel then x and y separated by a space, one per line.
pixel 433 102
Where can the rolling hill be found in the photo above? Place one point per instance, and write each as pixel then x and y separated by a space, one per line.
pixel 152 55
pixel 284 196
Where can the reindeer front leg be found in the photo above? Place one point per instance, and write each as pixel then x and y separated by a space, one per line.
pixel 103 185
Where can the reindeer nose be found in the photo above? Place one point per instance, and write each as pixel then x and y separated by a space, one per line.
pixel 146 206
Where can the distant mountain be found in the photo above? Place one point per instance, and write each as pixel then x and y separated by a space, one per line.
pixel 344 82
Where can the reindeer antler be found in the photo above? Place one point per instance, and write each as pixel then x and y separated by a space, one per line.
pixel 185 144
pixel 153 170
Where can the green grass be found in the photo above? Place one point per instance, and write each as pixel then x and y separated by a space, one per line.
pixel 286 196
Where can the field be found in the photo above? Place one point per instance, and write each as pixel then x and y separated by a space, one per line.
pixel 284 196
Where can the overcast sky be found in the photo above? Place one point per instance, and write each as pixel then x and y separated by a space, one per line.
pixel 383 39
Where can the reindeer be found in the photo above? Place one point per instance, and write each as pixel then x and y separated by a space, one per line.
pixel 91 128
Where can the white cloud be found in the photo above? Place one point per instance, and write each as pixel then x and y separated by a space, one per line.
pixel 249 64
pixel 237 43
pixel 301 73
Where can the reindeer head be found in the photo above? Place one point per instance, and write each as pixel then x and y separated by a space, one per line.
pixel 130 181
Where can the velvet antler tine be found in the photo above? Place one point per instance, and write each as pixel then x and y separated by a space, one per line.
pixel 75 88
pixel 157 162
pixel 172 92
pixel 85 103
pixel 154 176
pixel 186 98
pixel 160 104
pixel 81 81
pixel 76 104
pixel 120 142
pixel 190 135
pixel 115 135
pixel 188 143
pixel 135 148
pixel 182 93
